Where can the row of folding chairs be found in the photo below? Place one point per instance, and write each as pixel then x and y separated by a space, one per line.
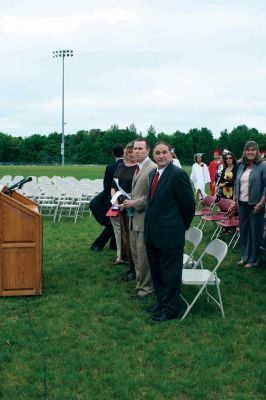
pixel 220 217
pixel 55 180
pixel 195 272
pixel 8 180
pixel 58 197
pixel 69 204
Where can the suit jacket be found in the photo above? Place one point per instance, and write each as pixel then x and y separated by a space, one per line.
pixel 139 195
pixel 100 204
pixel 171 210
pixel 108 178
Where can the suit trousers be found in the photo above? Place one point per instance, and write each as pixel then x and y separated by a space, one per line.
pixel 144 283
pixel 251 233
pixel 104 237
pixel 166 270
pixel 117 231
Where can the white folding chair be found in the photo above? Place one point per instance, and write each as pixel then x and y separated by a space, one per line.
pixel 84 203
pixel 201 278
pixel 44 180
pixel 6 180
pixel 193 236
pixel 49 202
pixel 16 179
pixel 69 205
pixel 32 192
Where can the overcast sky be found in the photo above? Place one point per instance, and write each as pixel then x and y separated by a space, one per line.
pixel 175 64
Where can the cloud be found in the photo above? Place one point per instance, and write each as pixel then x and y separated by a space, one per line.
pixel 60 26
pixel 9 123
pixel 173 64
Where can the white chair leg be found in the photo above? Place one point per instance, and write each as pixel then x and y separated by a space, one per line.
pixel 193 302
pixel 219 232
pixel 232 239
pixel 220 298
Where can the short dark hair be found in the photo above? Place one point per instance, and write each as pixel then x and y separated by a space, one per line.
pixel 140 139
pixel 118 150
pixel 163 142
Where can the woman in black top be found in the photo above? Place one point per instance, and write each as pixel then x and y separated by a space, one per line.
pixel 124 174
pixel 225 187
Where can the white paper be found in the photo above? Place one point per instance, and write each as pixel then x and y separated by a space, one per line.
pixel 114 198
pixel 121 190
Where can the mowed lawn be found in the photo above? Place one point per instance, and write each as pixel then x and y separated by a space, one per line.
pixel 83 339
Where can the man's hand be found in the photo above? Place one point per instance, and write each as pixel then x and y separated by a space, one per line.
pixel 128 204
pixel 258 207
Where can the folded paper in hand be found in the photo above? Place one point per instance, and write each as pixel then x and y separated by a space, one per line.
pixel 120 192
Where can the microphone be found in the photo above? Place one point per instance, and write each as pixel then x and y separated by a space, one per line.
pixel 18 185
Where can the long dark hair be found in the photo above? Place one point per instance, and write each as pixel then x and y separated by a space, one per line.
pixel 251 145
pixel 233 157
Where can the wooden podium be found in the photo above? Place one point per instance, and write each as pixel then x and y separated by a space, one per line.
pixel 20 246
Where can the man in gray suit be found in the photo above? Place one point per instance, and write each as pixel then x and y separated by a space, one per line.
pixel 137 202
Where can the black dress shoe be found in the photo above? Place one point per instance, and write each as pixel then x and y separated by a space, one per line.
pixel 95 248
pixel 162 317
pixel 128 276
pixel 154 308
pixel 139 297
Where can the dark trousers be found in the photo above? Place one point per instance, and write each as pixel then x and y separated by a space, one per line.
pixel 99 206
pixel 166 271
pixel 106 235
pixel 251 233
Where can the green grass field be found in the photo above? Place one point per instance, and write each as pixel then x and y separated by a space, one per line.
pixel 84 340
pixel 78 171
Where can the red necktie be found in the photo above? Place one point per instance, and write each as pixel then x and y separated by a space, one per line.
pixel 137 170
pixel 154 184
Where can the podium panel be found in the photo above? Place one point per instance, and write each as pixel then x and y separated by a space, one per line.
pixel 20 246
pixel 22 225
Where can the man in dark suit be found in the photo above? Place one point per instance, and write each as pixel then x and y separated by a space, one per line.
pixel 170 210
pixel 101 203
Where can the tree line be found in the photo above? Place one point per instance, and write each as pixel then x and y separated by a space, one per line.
pixel 94 146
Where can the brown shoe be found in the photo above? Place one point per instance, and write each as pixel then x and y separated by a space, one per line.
pixel 248 266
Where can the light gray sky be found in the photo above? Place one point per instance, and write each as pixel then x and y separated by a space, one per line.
pixel 175 64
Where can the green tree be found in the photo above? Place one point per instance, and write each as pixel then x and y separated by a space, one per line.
pixel 3 146
pixel 32 149
pixel 151 136
pixel 9 148
pixel 95 146
pixel 183 146
pixel 239 136
pixel 202 142
pixel 132 128
pixel 223 141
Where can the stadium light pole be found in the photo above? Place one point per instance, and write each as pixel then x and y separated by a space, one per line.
pixel 63 54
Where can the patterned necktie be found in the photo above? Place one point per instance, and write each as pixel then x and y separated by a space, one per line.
pixel 154 184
